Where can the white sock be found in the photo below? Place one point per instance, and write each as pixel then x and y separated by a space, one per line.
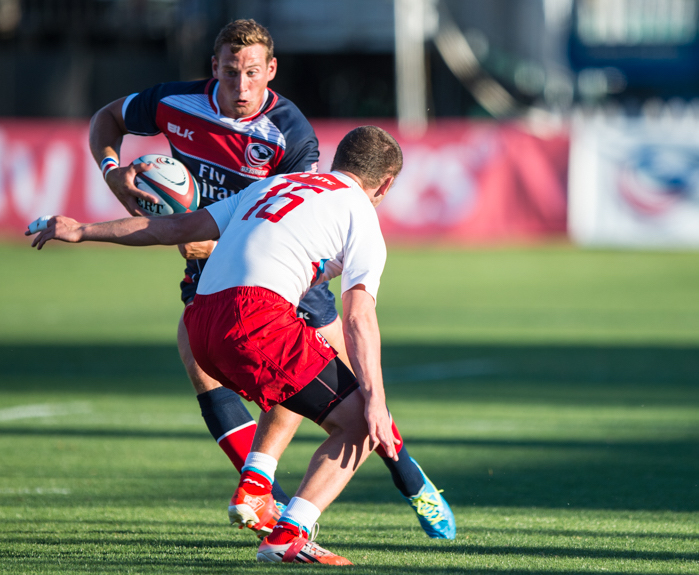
pixel 301 512
pixel 261 463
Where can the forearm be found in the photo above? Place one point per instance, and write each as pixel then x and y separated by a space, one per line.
pixel 134 232
pixel 163 230
pixel 106 134
pixel 363 343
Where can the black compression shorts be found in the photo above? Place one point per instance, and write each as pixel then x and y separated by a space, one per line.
pixel 324 393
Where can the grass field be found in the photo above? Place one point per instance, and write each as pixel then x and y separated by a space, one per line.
pixel 551 392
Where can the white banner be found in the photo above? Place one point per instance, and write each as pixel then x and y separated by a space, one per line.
pixel 634 182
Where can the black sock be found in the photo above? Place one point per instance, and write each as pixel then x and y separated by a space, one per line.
pixel 405 474
pixel 278 493
pixel 223 410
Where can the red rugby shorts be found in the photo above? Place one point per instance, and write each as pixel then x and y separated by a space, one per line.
pixel 250 340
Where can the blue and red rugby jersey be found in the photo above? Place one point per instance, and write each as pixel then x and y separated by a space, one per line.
pixel 224 155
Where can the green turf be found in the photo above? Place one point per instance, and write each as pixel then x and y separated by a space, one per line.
pixel 551 392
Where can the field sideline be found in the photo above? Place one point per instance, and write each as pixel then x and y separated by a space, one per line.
pixel 551 392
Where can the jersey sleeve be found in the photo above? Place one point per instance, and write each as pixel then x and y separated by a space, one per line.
pixel 139 111
pixel 364 253
pixel 223 211
pixel 302 147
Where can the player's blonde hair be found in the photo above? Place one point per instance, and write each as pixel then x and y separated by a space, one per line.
pixel 239 34
pixel 369 153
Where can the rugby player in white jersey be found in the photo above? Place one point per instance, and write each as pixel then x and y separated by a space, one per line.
pixel 213 127
pixel 277 238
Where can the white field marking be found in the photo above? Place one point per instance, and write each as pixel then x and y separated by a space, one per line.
pixel 43 410
pixel 439 371
pixel 35 491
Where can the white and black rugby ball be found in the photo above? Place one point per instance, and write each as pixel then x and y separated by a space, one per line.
pixel 171 182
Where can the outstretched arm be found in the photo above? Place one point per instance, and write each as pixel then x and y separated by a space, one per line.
pixel 161 230
pixel 363 342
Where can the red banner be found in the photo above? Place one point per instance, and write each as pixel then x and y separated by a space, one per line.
pixel 462 182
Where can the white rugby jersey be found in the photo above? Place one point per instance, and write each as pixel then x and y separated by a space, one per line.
pixel 293 231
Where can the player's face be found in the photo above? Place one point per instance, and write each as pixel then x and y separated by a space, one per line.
pixel 243 79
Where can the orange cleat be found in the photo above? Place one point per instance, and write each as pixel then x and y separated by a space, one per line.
pixel 257 512
pixel 298 550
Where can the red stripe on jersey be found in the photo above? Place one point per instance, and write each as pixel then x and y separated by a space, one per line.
pixel 208 90
pixel 214 143
pixel 266 109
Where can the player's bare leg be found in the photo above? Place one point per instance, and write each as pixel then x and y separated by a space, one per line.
pixel 340 455
pixel 331 467
pixel 201 382
pixel 337 458
pixel 253 504
pixel 227 419
pixel 336 338
pixel 432 510
pixel 275 430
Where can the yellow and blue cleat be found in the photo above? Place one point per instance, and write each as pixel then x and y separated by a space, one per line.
pixel 432 510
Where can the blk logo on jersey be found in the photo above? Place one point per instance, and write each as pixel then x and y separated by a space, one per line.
pixel 258 155
pixel 184 133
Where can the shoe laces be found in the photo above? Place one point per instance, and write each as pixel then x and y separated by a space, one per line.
pixel 429 506
pixel 313 533
pixel 312 547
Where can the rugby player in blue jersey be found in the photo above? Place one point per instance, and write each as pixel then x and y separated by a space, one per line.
pixel 230 131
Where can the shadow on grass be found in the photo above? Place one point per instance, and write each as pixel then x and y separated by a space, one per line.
pixel 95 367
pixel 111 433
pixel 177 553
pixel 634 475
pixel 207 566
pixel 194 542
pixel 33 527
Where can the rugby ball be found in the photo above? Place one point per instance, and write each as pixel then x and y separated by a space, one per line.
pixel 171 182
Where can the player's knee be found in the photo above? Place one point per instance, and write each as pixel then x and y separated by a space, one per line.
pixel 351 445
pixel 347 419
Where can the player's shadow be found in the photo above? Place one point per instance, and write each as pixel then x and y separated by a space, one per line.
pixel 632 475
pixel 478 469
pixel 94 367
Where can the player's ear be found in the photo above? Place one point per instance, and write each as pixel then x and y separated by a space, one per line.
pixel 382 190
pixel 385 185
pixel 214 66
pixel 272 69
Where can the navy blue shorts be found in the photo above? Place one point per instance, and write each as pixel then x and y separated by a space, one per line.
pixel 317 308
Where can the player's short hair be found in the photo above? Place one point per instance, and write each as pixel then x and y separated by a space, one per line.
pixel 369 153
pixel 239 34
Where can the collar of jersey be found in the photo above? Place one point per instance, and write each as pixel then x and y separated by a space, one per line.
pixel 346 180
pixel 267 104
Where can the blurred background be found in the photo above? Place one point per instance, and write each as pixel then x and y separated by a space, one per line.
pixel 520 119
pixel 550 389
